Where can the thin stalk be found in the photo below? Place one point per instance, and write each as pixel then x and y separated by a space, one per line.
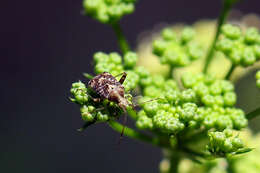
pixel 230 166
pixel 169 75
pixel 174 162
pixel 231 70
pixel 131 133
pixel 221 20
pixel 132 113
pixel 253 114
pixel 122 42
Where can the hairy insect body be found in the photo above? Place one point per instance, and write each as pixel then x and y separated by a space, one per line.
pixel 107 87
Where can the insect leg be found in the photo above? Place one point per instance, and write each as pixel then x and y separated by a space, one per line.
pixel 95 99
pixel 135 105
pixel 122 79
pixel 123 130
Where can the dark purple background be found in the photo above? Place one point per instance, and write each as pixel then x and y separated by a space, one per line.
pixel 45 46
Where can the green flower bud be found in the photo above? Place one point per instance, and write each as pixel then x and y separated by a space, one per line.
pixel 237 143
pixel 257 51
pixel 142 72
pixel 102 117
pixel 115 58
pixel 168 34
pixel 235 56
pixel 194 51
pixel 216 88
pixel 228 132
pixel 188 96
pixel 227 146
pixel 151 108
pixel 86 113
pixel 159 47
pixel 144 122
pixel 208 100
pixel 172 96
pixel 230 99
pixel 258 83
pixel 130 60
pixel 187 34
pixel 257 75
pixel 152 91
pixel 108 11
pixel 248 57
pixel 223 122
pixel 225 45
pixel 251 35
pixel 188 111
pixel 188 80
pixel 226 86
pixel 201 89
pixel 231 31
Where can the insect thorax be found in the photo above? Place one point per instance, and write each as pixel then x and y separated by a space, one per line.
pixel 106 86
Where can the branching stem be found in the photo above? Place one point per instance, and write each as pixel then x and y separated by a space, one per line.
pixel 129 132
pixel 231 70
pixel 221 20
pixel 253 114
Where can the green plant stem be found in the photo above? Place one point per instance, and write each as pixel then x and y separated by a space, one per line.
pixel 230 167
pixel 231 70
pixel 169 76
pixel 129 132
pixel 253 114
pixel 132 113
pixel 123 44
pixel 174 162
pixel 221 20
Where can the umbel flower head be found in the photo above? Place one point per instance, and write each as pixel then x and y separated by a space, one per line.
pixel 108 11
pixel 199 103
pixel 241 48
pixel 177 50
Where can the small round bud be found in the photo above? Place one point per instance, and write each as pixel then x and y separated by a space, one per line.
pixel 130 60
pixel 231 31
pixel 168 34
pixel 187 34
pixel 230 99
pixel 251 35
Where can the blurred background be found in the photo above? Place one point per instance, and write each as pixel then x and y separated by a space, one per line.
pixel 47 45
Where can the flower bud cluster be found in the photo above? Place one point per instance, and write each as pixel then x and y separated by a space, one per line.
pixel 207 102
pixel 241 48
pixel 108 11
pixel 257 76
pixel 177 51
pixel 90 110
pixel 172 112
pixel 217 98
pixel 223 143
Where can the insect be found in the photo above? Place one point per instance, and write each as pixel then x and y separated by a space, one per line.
pixel 106 86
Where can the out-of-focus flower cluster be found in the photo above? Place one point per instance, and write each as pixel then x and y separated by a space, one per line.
pixel 177 50
pixel 248 162
pixel 108 11
pixel 241 48
pixel 257 76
